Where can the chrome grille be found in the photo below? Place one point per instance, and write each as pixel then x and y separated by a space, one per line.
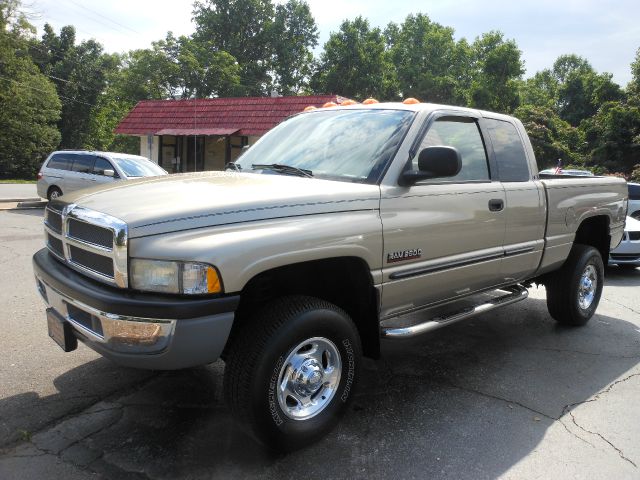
pixel 55 245
pixel 92 261
pixel 90 242
pixel 90 233
pixel 54 220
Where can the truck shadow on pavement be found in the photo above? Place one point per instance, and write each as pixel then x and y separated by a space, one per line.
pixel 468 401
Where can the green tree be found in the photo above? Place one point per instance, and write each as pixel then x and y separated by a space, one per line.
pixel 540 90
pixel 29 106
pixel 79 73
pixel 294 34
pixel 242 28
pixel 613 135
pixel 581 90
pixel 633 89
pixel 551 137
pixel 496 68
pixel 430 64
pixel 355 63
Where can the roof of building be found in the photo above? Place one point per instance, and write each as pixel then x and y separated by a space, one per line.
pixel 215 116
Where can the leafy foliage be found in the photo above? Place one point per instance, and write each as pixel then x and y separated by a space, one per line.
pixel 355 63
pixel 79 73
pixel 29 106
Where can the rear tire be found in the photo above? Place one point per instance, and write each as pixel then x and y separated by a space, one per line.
pixel 573 292
pixel 53 193
pixel 291 371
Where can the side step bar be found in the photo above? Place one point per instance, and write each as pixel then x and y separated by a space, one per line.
pixel 516 293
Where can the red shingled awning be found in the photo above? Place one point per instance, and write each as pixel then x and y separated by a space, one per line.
pixel 197 131
pixel 215 116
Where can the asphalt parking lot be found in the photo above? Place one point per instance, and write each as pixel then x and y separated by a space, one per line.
pixel 506 395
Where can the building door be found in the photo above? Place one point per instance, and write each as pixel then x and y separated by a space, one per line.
pixel 195 154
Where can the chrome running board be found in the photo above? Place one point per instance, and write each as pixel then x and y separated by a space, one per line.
pixel 515 294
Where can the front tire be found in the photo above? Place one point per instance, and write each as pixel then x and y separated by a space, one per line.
pixel 573 292
pixel 291 371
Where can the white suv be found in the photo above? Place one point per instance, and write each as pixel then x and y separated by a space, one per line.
pixel 69 170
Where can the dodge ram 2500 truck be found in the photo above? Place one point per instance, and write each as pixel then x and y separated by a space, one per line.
pixel 329 233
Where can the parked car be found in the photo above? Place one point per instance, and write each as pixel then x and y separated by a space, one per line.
pixel 634 200
pixel 577 173
pixel 67 171
pixel 336 227
pixel 627 254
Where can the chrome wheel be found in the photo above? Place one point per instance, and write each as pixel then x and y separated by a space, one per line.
pixel 54 194
pixel 309 378
pixel 587 287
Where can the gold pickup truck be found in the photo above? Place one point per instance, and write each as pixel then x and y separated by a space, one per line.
pixel 324 237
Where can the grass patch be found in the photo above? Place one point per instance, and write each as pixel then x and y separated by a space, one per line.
pixel 17 181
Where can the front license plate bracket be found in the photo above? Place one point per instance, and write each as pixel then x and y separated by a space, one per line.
pixel 61 331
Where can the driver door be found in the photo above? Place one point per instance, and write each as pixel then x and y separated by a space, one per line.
pixel 443 238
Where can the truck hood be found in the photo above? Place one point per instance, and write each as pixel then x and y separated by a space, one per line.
pixel 172 203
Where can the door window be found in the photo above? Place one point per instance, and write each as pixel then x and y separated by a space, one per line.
pixel 101 165
pixel 83 163
pixel 462 134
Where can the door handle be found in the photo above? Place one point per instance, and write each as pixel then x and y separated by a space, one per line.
pixel 496 204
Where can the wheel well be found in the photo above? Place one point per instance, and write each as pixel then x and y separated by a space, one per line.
pixel 53 187
pixel 343 281
pixel 594 231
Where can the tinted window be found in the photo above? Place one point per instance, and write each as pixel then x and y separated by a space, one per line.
pixel 83 163
pixel 462 134
pixel 61 161
pixel 634 191
pixel 102 165
pixel 509 151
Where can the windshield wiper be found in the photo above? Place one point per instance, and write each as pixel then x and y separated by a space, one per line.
pixel 280 168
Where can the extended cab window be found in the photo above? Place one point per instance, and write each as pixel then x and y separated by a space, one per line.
pixel 509 151
pixel 83 163
pixel 61 161
pixel 462 134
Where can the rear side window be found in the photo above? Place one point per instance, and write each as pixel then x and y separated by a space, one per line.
pixel 61 161
pixel 462 134
pixel 84 163
pixel 102 165
pixel 509 151
pixel 634 192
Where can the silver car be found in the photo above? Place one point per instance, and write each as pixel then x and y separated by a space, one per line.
pixel 69 170
pixel 627 254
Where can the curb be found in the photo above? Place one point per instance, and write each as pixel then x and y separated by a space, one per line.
pixel 22 205
pixel 20 200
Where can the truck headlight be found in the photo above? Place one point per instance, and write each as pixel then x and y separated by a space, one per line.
pixel 174 277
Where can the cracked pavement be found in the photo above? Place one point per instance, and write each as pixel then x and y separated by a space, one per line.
pixel 506 395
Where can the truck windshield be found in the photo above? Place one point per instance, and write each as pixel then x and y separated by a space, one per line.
pixel 347 145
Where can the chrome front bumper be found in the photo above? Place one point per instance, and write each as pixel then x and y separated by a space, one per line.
pixel 158 332
pixel 119 333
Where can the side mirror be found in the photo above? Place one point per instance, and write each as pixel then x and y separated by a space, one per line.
pixel 433 162
pixel 109 173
